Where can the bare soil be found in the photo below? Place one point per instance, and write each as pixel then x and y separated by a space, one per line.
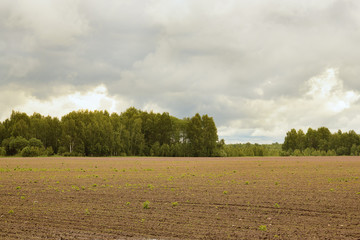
pixel 189 198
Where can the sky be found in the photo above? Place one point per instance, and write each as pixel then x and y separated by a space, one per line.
pixel 258 67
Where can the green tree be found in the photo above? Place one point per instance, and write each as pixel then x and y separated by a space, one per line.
pixel 33 142
pixel 291 141
pixel 300 140
pixel 210 137
pixel 155 149
pixel 2 132
pixel 73 133
pixel 196 136
pixel 17 144
pixel 2 151
pixel 324 136
pixel 312 139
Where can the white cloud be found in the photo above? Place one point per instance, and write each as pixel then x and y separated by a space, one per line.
pixel 328 89
pixel 52 23
pixel 20 67
pixel 323 103
pixel 96 98
pixel 255 66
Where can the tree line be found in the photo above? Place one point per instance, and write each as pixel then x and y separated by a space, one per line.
pixel 140 133
pixel 252 150
pixel 321 142
pixel 98 133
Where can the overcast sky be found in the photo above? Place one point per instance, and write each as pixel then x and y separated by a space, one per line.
pixel 259 68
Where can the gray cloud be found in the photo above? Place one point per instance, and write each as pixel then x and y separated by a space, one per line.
pixel 247 63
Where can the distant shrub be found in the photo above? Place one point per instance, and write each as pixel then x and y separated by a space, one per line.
pixel 49 151
pixel 72 154
pixel 341 151
pixel 285 153
pixel 316 153
pixel 32 152
pixel 297 152
pixel 61 150
pixel 66 154
pixel 331 153
pixel 34 142
pixel 16 145
pixel 307 152
pixel 2 151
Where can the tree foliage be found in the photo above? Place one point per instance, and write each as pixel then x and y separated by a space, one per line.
pixel 249 150
pixel 321 142
pixel 97 133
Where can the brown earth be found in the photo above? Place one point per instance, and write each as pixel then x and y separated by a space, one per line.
pixel 189 198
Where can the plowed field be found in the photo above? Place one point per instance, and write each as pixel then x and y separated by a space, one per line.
pixel 187 198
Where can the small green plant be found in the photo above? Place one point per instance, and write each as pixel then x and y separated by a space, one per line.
pixel 146 205
pixel 22 197
pixel 276 183
pixel 87 212
pixel 94 185
pixel 263 228
pixel 358 193
pixel 142 220
pixel 150 186
pixel 225 192
pixel 247 183
pixel 174 204
pixel 127 203
pixel 18 187
pixel 277 205
pixel 11 211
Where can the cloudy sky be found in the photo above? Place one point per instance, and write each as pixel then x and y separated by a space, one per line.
pixel 259 67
